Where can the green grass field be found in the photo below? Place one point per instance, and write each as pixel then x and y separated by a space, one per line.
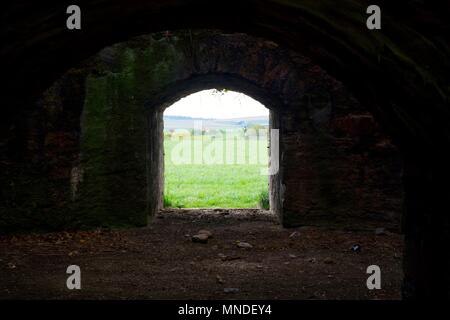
pixel 218 184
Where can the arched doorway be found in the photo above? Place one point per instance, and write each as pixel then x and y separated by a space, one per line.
pixel 216 146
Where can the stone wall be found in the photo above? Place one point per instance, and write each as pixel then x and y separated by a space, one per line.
pixel 343 168
pixel 102 142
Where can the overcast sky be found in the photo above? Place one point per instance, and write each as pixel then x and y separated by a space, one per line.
pixel 207 104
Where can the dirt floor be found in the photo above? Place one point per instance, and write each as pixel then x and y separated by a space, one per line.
pixel 162 261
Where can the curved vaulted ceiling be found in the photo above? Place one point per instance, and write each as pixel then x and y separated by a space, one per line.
pixel 400 72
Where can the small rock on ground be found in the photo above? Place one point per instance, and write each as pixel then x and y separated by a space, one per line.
pixel 205 232
pixel 219 279
pixel 244 245
pixel 200 238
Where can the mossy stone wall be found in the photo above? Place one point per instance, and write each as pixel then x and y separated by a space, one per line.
pixel 104 166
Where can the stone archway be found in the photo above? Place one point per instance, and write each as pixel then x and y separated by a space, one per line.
pixel 396 73
pixel 324 131
pixel 194 84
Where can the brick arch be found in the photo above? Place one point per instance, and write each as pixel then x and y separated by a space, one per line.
pixel 198 82
pixel 157 104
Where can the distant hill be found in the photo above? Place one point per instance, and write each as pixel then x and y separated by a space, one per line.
pixel 182 122
pixel 183 118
